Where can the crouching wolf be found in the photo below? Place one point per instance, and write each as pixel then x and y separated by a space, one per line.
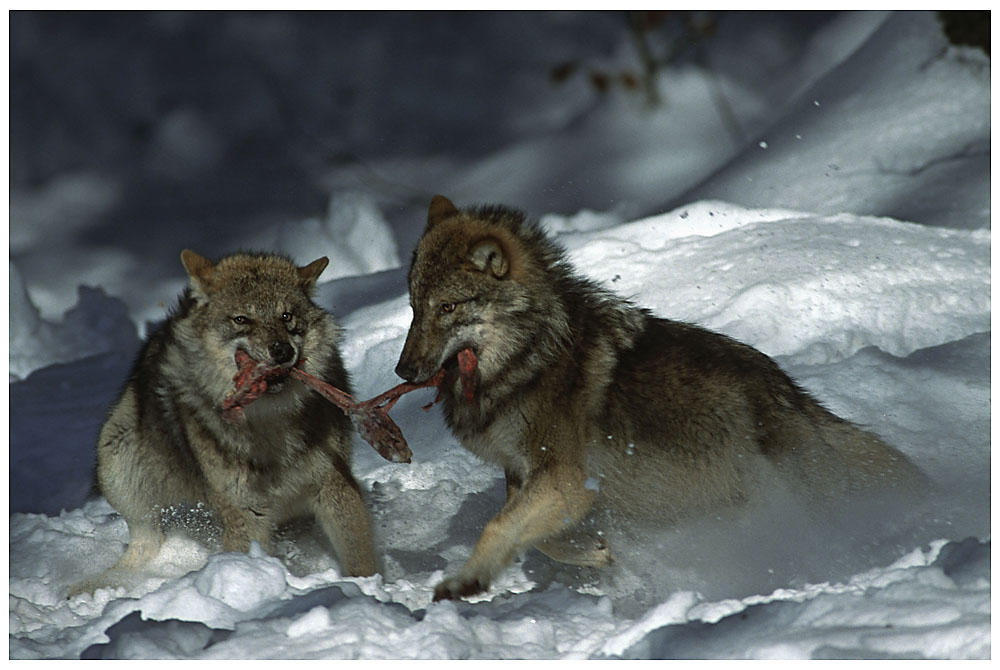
pixel 166 442
pixel 594 406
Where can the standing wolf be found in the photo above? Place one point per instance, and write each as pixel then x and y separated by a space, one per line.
pixel 166 441
pixel 593 406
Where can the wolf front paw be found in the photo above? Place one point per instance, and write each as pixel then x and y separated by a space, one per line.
pixel 455 588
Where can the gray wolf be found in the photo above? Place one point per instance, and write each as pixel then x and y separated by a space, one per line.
pixel 165 441
pixel 599 411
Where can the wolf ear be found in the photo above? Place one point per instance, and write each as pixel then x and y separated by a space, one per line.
pixel 486 255
pixel 441 208
pixel 199 269
pixel 308 274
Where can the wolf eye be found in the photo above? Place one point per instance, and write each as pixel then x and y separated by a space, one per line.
pixel 447 307
pixel 286 316
pixel 241 320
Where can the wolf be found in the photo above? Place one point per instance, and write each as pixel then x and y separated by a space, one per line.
pixel 165 441
pixel 598 410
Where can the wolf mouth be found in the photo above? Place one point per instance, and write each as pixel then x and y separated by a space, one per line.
pixel 272 375
pixel 252 380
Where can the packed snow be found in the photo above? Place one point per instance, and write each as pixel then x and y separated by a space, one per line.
pixel 869 283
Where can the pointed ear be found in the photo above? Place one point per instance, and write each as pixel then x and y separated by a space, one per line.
pixel 441 208
pixel 308 274
pixel 199 269
pixel 488 255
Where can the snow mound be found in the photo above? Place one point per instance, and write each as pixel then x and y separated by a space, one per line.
pixel 731 269
pixel 879 614
pixel 96 324
pixel 353 235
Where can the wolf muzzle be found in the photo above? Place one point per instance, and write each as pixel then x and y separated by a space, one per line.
pixel 406 371
pixel 407 368
pixel 281 352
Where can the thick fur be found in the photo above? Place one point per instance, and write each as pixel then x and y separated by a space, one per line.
pixel 595 407
pixel 165 442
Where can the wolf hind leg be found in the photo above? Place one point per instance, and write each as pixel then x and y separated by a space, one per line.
pixel 578 547
pixel 341 513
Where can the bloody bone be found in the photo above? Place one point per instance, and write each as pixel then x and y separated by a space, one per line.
pixel 251 382
pixel 370 417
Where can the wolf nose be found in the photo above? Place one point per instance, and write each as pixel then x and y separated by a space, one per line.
pixel 405 371
pixel 281 352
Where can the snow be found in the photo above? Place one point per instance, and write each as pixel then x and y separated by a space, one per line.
pixel 898 159
pixel 354 236
pixel 869 282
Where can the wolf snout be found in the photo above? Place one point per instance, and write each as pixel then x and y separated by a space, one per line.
pixel 406 371
pixel 281 352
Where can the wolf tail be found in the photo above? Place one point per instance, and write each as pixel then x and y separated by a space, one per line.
pixel 872 462
pixel 830 456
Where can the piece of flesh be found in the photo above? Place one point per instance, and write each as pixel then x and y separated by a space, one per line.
pixel 370 417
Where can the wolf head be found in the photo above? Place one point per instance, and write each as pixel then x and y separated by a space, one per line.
pixel 481 279
pixel 260 303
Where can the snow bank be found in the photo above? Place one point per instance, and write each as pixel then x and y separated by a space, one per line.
pixel 731 269
pixel 882 614
pixel 96 324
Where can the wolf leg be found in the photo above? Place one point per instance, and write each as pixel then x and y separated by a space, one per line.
pixel 342 514
pixel 241 526
pixel 574 546
pixel 144 544
pixel 548 504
